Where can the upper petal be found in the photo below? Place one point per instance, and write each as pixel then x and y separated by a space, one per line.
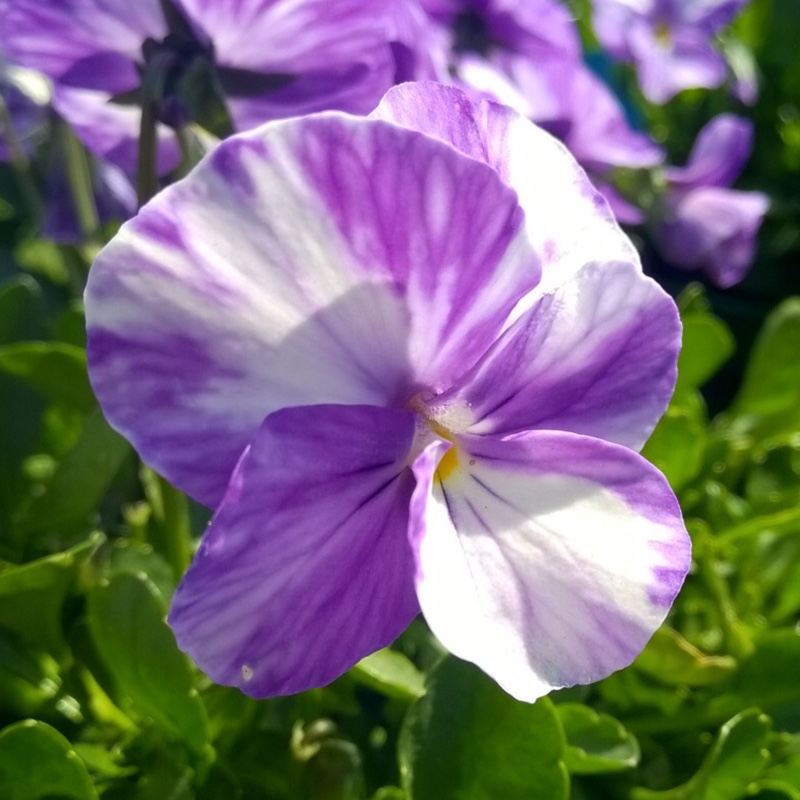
pixel 305 568
pixel 547 559
pixel 53 36
pixel 567 220
pixel 328 259
pixel 598 356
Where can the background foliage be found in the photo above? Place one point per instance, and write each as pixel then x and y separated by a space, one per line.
pixel 96 700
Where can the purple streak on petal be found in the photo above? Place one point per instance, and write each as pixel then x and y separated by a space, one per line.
pixel 55 35
pixel 548 559
pixel 567 221
pixel 104 71
pixel 719 154
pixel 596 357
pixel 305 568
pixel 714 229
pixel 442 227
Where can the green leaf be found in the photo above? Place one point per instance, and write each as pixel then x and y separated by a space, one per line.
pixel 55 369
pixel 677 446
pixel 82 478
pixel 770 393
pixel 707 345
pixel 670 659
pixel 466 739
pixel 28 676
pixel 767 678
pixel 596 743
pixel 153 678
pixel 390 673
pixel 32 595
pixel 38 763
pixel 736 758
pixel 21 310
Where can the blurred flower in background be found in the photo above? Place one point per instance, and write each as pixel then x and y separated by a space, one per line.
pixel 702 223
pixel 669 41
pixel 226 64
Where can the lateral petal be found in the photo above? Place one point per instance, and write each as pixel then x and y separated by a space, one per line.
pixel 306 567
pixel 598 356
pixel 547 559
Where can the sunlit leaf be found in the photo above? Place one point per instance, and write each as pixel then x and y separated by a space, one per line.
pixel 153 678
pixel 466 739
pixel 38 763
pixel 596 743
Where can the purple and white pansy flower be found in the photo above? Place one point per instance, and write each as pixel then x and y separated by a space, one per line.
pixel 262 59
pixel 409 360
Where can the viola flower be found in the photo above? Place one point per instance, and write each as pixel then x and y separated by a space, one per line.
pixel 668 40
pixel 249 60
pixel 402 384
pixel 704 224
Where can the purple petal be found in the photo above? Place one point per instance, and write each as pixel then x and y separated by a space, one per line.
pixel 597 357
pixel 339 52
pixel 567 220
pixel 321 260
pixel 685 61
pixel 305 568
pixel 55 35
pixel 599 135
pixel 111 131
pixel 714 229
pixel 719 154
pixel 547 559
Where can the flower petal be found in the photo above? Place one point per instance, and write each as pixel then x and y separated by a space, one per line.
pixel 719 154
pixel 112 131
pixel 328 259
pixel 305 568
pixel 567 220
pixel 549 560
pixel 715 229
pixel 54 37
pixel 597 357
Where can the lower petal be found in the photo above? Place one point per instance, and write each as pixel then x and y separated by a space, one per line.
pixel 305 568
pixel 547 559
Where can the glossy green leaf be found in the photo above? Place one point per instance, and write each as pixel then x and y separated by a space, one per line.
pixel 82 477
pixel 55 369
pixel 153 678
pixel 596 743
pixel 38 763
pixel 21 310
pixel 767 678
pixel 670 659
pixel 390 673
pixel 770 392
pixel 28 676
pixel 677 446
pixel 466 739
pixel 736 758
pixel 32 595
pixel 707 345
